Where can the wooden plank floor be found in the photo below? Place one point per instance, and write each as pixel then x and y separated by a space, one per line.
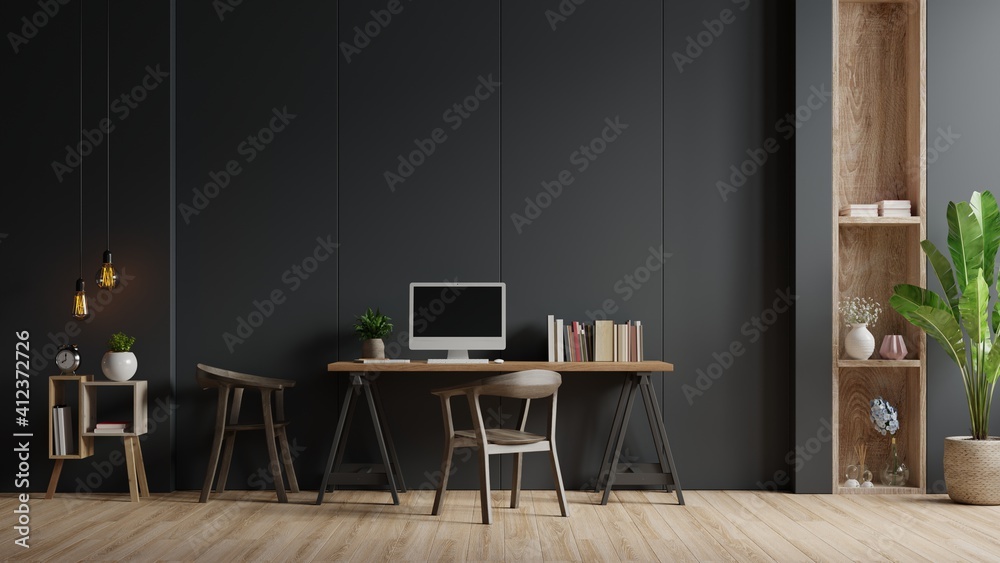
pixel 636 525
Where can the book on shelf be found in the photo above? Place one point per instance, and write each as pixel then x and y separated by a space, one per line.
pixel 114 425
pixel 111 430
pixel 63 439
pixel 602 341
pixel 860 210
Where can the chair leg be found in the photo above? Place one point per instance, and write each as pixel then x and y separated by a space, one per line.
pixel 286 457
pixel 272 451
pixel 227 458
pixel 557 476
pixel 220 428
pixel 445 473
pixel 484 485
pixel 515 485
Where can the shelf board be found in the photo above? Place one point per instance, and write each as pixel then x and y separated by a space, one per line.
pixel 880 490
pixel 115 434
pixel 74 456
pixel 878 363
pixel 879 221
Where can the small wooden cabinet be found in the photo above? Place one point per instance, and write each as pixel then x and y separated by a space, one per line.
pixel 86 409
pixel 879 153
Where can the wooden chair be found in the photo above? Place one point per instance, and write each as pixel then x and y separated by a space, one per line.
pixel 227 381
pixel 527 385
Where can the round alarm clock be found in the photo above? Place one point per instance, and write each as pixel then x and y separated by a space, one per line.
pixel 68 359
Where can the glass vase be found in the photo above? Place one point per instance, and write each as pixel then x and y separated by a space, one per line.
pixel 895 473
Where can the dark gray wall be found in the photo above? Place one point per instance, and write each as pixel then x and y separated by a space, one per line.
pixel 40 220
pixel 813 261
pixel 657 185
pixel 961 147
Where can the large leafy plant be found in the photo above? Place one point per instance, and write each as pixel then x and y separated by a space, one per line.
pixel 372 325
pixel 973 241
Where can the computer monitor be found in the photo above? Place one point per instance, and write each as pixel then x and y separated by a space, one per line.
pixel 458 317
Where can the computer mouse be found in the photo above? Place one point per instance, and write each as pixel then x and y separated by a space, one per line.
pixel 498 361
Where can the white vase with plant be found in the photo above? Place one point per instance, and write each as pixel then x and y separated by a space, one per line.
pixel 860 314
pixel 965 325
pixel 119 363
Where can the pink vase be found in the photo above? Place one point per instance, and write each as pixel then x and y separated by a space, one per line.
pixel 893 347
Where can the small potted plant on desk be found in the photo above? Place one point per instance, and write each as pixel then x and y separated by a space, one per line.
pixel 119 363
pixel 371 328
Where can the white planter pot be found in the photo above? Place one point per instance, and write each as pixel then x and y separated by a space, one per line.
pixel 972 470
pixel 859 343
pixel 119 366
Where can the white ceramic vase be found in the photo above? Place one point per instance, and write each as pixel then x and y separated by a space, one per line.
pixel 859 344
pixel 119 366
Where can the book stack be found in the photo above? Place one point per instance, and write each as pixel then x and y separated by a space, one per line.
pixel 111 427
pixel 63 439
pixel 894 208
pixel 603 341
pixel 860 210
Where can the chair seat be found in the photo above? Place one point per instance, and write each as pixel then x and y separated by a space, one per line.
pixel 503 436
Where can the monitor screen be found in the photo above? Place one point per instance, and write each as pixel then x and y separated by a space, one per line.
pixel 458 317
pixel 456 311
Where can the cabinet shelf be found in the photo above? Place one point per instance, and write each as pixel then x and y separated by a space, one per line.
pixel 879 221
pixel 878 135
pixel 879 364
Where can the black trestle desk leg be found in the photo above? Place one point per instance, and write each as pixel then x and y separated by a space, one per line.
pixel 337 436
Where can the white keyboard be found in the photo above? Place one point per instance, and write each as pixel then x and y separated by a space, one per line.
pixel 458 361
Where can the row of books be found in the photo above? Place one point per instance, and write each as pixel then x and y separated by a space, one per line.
pixel 603 341
pixel 884 208
pixel 63 439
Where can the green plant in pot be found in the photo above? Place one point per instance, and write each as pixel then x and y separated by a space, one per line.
pixel 119 363
pixel 965 325
pixel 371 328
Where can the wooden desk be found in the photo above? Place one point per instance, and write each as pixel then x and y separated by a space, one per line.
pixel 636 379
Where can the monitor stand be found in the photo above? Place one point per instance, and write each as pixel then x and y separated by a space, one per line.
pixel 458 354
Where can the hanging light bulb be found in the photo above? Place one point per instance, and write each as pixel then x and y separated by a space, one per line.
pixel 80 310
pixel 106 277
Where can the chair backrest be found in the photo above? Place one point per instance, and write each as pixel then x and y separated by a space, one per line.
pixel 209 376
pixel 528 384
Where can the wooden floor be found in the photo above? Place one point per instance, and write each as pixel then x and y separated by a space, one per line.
pixel 646 526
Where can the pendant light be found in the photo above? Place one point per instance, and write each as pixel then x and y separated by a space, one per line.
pixel 107 277
pixel 80 297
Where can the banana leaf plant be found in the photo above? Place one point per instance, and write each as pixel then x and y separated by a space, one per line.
pixel 973 241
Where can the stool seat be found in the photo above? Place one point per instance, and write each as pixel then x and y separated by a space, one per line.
pixel 503 436
pixel 231 383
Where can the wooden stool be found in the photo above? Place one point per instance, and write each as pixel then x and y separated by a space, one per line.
pixel 225 381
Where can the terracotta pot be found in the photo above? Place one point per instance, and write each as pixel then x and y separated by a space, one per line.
pixel 373 348
pixel 972 470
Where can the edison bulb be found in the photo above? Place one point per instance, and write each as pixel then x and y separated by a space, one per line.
pixel 107 277
pixel 80 302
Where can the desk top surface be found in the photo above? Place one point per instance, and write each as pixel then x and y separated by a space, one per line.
pixel 562 367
